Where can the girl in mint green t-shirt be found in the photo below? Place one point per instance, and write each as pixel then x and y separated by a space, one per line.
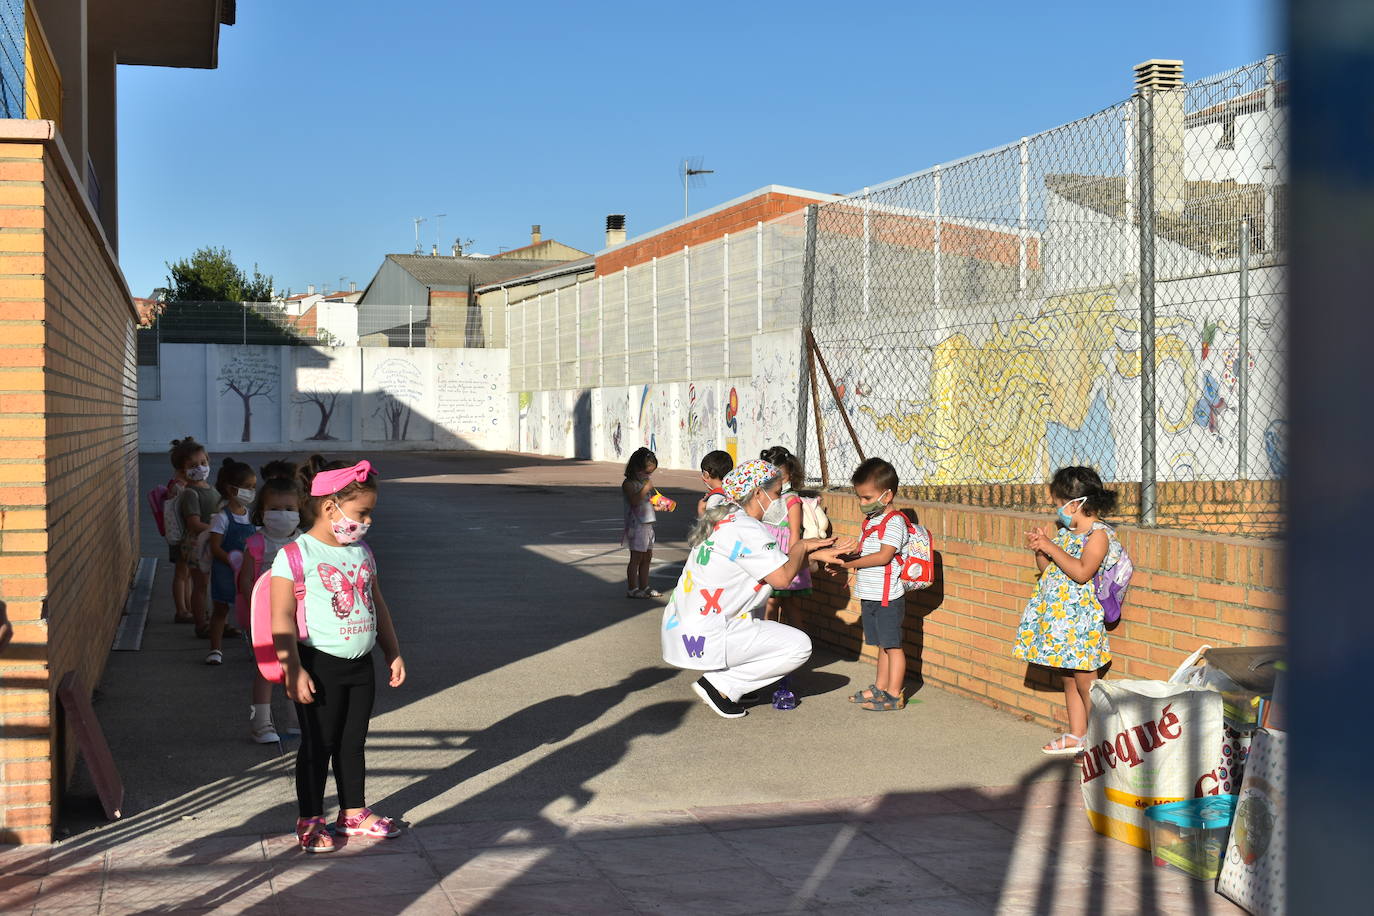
pixel 330 674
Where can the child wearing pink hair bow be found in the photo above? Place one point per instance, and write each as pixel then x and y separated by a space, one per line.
pixel 329 673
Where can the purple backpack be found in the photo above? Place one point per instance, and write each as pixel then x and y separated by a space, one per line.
pixel 1110 586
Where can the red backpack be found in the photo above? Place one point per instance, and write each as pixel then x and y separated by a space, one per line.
pixel 914 563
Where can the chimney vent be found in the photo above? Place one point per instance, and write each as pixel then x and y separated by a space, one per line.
pixel 615 229
pixel 352 286
pixel 1160 85
pixel 535 235
pixel 1159 74
pixel 434 250
pixel 310 289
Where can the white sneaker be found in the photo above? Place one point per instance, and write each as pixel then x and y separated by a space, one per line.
pixel 264 733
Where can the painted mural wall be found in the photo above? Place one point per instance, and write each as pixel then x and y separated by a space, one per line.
pixel 680 421
pixel 321 398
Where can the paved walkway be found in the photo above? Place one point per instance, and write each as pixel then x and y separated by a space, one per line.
pixel 548 762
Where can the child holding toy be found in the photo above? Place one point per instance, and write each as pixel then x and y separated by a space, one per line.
pixel 1063 625
pixel 637 493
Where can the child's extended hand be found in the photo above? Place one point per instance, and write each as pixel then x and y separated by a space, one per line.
pixel 1037 540
pixel 398 671
pixel 847 544
pixel 299 687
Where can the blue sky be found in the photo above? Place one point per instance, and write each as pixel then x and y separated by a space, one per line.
pixel 328 127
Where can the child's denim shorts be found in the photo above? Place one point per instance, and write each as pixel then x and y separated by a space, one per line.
pixel 883 625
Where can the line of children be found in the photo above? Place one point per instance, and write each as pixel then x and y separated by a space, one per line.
pixel 636 493
pixel 183 454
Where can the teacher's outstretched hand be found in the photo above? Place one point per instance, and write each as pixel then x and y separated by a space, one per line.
pixel 711 623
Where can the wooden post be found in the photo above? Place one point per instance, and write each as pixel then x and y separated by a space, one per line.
pixel 835 393
pixel 816 407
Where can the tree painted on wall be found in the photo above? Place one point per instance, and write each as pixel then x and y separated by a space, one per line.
pixel 399 385
pixel 325 402
pixel 249 375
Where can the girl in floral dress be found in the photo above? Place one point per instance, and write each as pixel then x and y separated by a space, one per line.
pixel 1063 626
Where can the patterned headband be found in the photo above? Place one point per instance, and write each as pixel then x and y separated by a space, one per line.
pixel 747 477
pixel 329 482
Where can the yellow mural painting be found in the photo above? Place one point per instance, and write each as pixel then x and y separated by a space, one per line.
pixel 989 402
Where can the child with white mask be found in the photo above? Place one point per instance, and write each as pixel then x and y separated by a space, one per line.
pixel 278 517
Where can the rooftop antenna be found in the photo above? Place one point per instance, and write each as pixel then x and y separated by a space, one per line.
pixel 423 219
pixel 690 170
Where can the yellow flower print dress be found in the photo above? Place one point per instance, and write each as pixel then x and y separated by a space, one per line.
pixel 1062 626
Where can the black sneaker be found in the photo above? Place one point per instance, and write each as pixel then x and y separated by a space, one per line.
pixel 721 706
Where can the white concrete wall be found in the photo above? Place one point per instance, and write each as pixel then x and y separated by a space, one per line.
pixel 323 399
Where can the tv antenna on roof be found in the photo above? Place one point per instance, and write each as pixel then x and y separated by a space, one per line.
pixel 424 219
pixel 690 171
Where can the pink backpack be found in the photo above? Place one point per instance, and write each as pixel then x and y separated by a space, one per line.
pixel 914 564
pixel 157 501
pixel 260 609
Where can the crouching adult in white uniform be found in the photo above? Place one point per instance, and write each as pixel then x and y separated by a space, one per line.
pixel 731 568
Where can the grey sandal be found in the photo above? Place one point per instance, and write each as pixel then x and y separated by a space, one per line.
pixel 883 702
pixel 868 693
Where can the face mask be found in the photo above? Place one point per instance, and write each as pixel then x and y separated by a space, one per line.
pixel 246 496
pixel 281 522
pixel 1063 517
pixel 198 472
pixel 347 531
pixel 875 506
pixel 771 500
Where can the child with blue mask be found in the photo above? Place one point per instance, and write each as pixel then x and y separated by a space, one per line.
pixel 1063 626
pixel 230 530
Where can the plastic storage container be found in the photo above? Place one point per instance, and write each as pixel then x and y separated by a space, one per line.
pixel 1191 835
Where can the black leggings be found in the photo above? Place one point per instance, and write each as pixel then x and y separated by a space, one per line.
pixel 333 728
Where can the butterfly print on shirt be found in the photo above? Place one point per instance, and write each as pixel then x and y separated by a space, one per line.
pixel 348 596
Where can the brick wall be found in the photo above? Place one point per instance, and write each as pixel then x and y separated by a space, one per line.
pixel 1188 589
pixel 68 462
pixel 739 218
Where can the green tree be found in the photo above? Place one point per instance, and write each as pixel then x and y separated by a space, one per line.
pixel 210 275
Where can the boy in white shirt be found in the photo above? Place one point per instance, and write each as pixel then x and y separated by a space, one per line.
pixel 714 466
pixel 875 556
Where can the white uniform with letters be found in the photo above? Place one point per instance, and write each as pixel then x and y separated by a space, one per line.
pixel 708 624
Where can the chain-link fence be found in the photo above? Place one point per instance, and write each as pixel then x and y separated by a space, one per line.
pixel 689 315
pixel 1109 292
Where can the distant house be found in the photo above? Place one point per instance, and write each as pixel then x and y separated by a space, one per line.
pixel 430 300
pixel 330 318
pixel 542 249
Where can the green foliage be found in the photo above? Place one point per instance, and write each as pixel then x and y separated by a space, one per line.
pixel 210 275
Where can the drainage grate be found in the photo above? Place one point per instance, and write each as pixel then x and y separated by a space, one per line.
pixel 129 636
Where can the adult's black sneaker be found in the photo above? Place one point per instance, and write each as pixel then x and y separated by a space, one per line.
pixel 720 705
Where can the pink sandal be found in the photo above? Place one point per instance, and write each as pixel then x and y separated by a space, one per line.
pixel 381 828
pixel 313 835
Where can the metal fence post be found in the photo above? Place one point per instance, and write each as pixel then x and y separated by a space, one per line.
pixel 539 300
pixel 601 332
pixel 244 306
pixel 558 338
pixel 687 306
pixel 867 249
pixel 936 243
pixel 758 270
pixel 1243 359
pixel 410 325
pixel 625 304
pixel 725 309
pixel 1145 175
pixel 807 308
pixel 577 329
pixel 505 318
pixel 1024 221
pixel 653 311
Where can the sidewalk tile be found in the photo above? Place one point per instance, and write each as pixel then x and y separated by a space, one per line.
pixel 487 833
pixel 204 850
pixel 591 897
pixel 71 889
pixel 921 804
pixel 320 878
pixel 882 879
pixel 188 886
pixel 1031 795
pixel 18 891
pixel 940 833
pixel 24 860
pixel 807 843
pixel 1058 825
pixel 619 826
pixel 285 846
pixel 957 905
pixel 657 855
pixel 725 892
pixel 497 866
